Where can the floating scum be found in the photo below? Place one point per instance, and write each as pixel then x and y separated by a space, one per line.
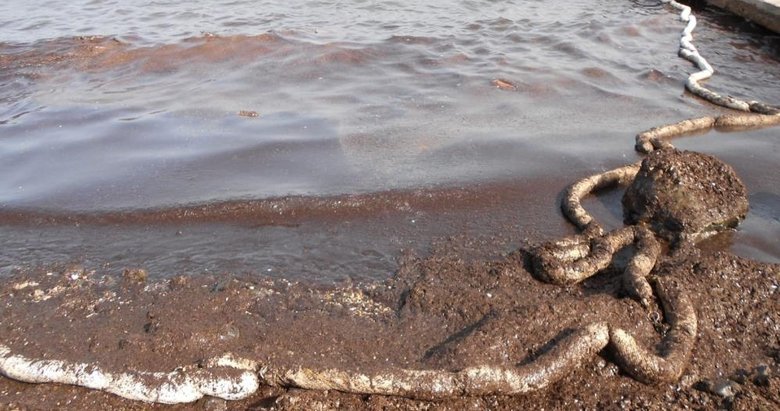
pixel 655 209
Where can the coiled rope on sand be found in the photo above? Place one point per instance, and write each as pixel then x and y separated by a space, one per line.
pixel 566 261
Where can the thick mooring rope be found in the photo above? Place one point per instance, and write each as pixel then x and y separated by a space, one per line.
pixel 566 261
pixel 574 259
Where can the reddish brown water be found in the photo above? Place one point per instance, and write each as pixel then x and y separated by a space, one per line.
pixel 128 149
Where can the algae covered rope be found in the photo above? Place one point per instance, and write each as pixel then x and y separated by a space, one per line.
pixel 572 199
pixel 643 364
pixel 574 259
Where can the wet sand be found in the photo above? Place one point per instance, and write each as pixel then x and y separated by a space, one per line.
pixel 443 311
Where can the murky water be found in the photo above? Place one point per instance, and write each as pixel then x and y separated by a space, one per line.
pixel 127 107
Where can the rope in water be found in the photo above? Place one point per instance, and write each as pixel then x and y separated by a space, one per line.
pixel 689 52
pixel 765 114
pixel 566 261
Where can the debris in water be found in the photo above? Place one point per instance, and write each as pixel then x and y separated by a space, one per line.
pixel 504 84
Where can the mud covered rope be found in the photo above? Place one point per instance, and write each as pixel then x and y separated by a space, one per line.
pixel 228 379
pixel 574 259
pixel 572 200
pixel 678 343
pixel 690 53
pixel 578 347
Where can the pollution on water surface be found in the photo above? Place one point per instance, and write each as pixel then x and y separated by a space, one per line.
pixel 345 143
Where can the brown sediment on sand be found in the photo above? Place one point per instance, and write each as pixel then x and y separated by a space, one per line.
pixel 440 312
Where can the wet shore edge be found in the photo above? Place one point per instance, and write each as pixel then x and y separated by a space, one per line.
pixel 288 210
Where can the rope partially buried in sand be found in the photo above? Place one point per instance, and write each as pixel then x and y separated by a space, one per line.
pixel 580 346
pixel 574 259
pixel 565 261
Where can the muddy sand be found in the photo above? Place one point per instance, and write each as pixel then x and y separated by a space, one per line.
pixel 440 311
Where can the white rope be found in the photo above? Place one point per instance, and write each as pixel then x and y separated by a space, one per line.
pixel 225 377
pixel 690 53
